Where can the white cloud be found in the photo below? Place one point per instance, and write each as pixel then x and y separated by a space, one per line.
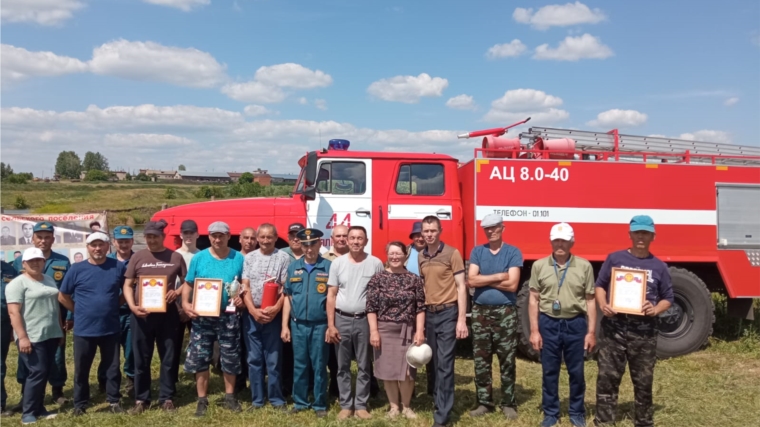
pixel 184 5
pixel 575 48
pixel 254 91
pixel 408 89
pixel 619 118
pixel 303 101
pixel 256 110
pixel 461 102
pixel 731 101
pixel 293 76
pixel 519 104
pixel 134 137
pixel 557 15
pixel 506 50
pixel 155 62
pixel 19 64
pixel 321 104
pixel 42 12
pixel 705 135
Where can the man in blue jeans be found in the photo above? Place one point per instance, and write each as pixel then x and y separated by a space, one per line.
pixel 561 296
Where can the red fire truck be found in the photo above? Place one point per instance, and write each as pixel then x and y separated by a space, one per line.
pixel 703 197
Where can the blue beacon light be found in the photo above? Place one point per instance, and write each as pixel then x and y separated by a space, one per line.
pixel 339 144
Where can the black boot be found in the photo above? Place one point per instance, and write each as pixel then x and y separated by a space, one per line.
pixel 58 396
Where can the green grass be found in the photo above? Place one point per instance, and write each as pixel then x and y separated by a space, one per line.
pixel 714 387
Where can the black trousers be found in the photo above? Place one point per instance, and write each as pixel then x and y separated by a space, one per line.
pixel 156 330
pixel 286 375
pixel 38 364
pixel 181 328
pixel 84 353
pixel 6 335
pixel 440 334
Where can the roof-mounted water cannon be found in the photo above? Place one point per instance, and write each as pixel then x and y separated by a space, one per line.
pixel 505 146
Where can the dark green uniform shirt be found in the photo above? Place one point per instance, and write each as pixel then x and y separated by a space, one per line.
pixel 308 290
pixel 578 283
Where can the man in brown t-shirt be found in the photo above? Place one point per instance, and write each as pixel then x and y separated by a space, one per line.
pixel 442 268
pixel 151 267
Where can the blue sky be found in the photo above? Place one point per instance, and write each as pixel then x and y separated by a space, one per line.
pixel 235 85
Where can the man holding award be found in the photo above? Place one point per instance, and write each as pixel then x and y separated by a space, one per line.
pixel 209 297
pixel 304 312
pixel 632 288
pixel 150 292
pixel 264 271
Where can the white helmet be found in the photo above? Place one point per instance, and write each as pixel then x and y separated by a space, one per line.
pixel 418 356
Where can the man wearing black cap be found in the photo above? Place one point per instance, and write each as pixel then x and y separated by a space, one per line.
pixel 304 313
pixel 56 266
pixel 160 266
pixel 92 291
pixel 294 249
pixel 189 235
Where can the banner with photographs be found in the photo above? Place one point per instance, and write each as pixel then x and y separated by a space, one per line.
pixel 71 231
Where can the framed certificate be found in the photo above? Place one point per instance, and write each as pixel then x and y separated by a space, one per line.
pixel 628 290
pixel 152 293
pixel 207 297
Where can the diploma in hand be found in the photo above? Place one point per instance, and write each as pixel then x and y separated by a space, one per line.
pixel 152 293
pixel 207 297
pixel 628 290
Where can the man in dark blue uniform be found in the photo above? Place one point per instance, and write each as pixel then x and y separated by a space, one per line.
pixel 124 239
pixel 56 266
pixel 6 335
pixel 305 314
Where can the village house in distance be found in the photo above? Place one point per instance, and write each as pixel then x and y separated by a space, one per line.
pixel 263 177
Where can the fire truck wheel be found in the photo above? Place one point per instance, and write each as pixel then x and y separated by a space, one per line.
pixel 523 344
pixel 687 325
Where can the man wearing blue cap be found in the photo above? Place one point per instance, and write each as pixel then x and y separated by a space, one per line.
pixel 124 240
pixel 56 266
pixel 631 338
pixel 305 314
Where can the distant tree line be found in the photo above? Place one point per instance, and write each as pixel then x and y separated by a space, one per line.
pixel 95 165
pixel 7 175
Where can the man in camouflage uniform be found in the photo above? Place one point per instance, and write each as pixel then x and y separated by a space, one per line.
pixel 627 337
pixel 494 272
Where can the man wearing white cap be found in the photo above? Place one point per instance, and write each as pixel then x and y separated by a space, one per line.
pixel 92 291
pixel 494 272
pixel 561 296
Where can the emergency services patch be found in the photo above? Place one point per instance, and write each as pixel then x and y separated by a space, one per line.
pixel 321 279
pixel 298 272
pixel 58 275
pixel 321 288
pixel 295 279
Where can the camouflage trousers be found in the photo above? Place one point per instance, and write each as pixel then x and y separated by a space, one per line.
pixel 494 331
pixel 200 349
pixel 633 340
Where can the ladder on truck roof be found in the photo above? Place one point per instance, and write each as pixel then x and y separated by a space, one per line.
pixel 662 149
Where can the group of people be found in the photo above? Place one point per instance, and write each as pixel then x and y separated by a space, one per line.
pixel 332 307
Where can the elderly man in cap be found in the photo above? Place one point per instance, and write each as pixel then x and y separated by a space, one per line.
pixel 92 291
pixel 629 338
pixel 295 250
pixel 561 296
pixel 154 264
pixel 415 248
pixel 226 264
pixel 56 266
pixel 123 240
pixel 304 313
pixel 494 272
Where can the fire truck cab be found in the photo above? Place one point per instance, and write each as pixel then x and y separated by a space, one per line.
pixel 704 199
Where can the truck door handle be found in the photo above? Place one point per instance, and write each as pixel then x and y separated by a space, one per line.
pixel 380 211
pixel 362 211
pixel 442 212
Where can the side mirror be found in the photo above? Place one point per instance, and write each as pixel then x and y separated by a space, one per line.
pixel 309 193
pixel 310 172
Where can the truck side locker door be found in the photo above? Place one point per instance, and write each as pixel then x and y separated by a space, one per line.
pixel 421 188
pixel 343 197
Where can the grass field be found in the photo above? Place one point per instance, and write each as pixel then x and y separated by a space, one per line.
pixel 719 386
